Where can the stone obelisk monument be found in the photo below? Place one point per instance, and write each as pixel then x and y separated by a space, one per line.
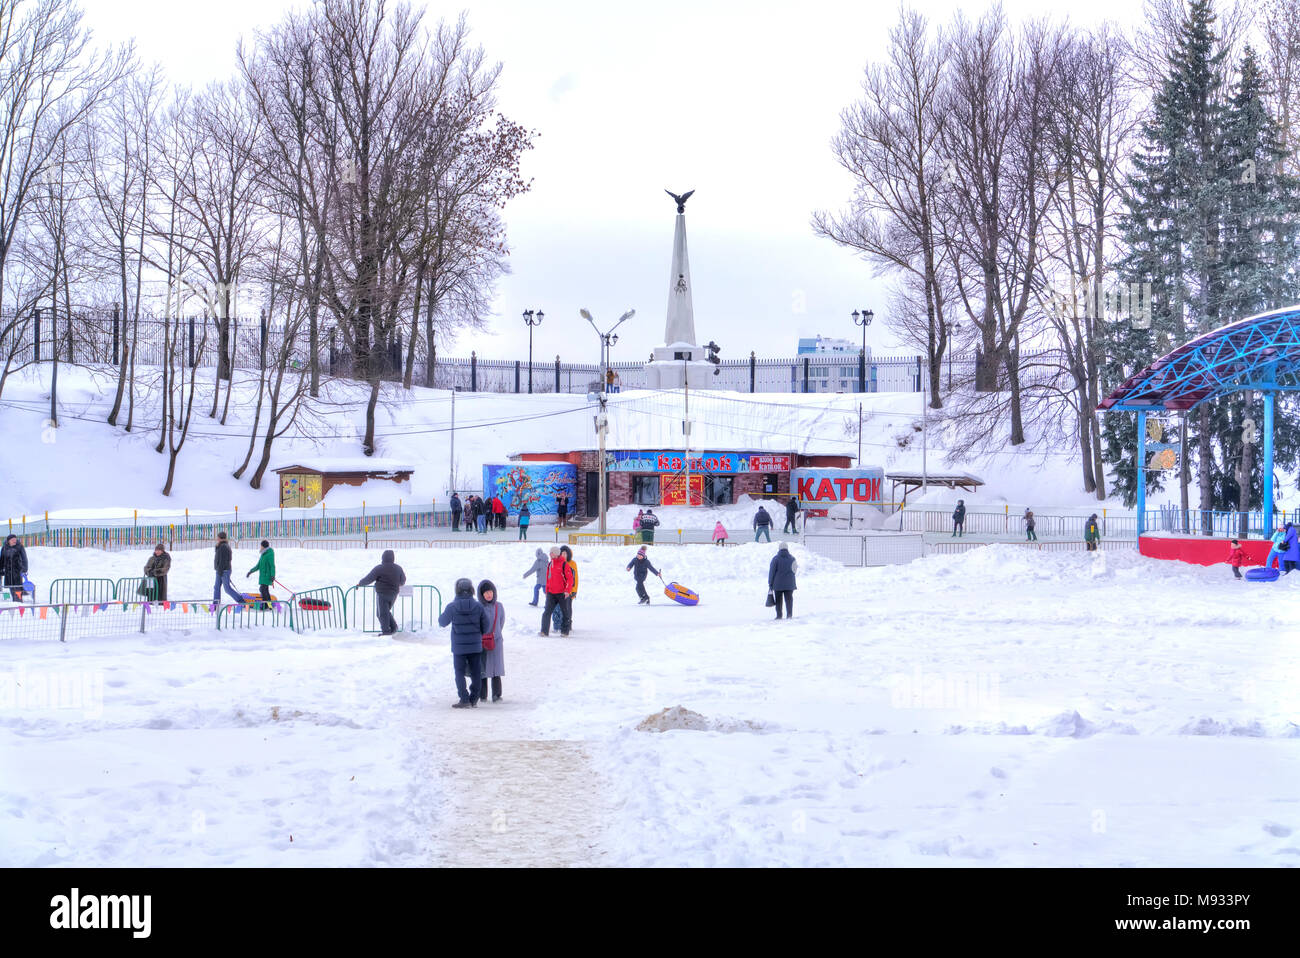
pixel 680 358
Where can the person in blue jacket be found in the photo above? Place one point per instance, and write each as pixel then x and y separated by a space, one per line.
pixel 640 567
pixel 1275 550
pixel 469 622
pixel 1290 549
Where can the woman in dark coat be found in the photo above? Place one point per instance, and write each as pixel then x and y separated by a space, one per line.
pixel 156 567
pixel 780 580
pixel 494 659
pixel 13 564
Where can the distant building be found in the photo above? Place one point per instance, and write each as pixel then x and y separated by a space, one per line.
pixel 832 366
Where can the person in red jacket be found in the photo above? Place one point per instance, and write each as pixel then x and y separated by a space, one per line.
pixel 499 512
pixel 1236 558
pixel 559 583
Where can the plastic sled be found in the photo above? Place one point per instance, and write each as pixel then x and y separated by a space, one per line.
pixel 1262 575
pixel 679 593
pixel 253 600
pixel 314 605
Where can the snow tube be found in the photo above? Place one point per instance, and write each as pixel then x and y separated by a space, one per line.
pixel 679 593
pixel 254 600
pixel 1262 575
pixel 314 605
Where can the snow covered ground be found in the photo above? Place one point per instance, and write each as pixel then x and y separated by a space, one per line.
pixel 992 708
pixel 88 470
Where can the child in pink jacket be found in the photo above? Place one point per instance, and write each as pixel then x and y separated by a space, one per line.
pixel 719 535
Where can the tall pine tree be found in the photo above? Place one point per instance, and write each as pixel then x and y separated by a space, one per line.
pixel 1171 229
pixel 1261 250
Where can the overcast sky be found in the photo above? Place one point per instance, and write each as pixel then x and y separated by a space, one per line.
pixel 736 100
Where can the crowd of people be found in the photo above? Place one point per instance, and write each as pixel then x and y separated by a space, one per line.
pixel 481 515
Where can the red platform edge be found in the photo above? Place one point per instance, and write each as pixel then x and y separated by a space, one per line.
pixel 1200 550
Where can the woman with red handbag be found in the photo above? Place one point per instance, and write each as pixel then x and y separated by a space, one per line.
pixel 494 658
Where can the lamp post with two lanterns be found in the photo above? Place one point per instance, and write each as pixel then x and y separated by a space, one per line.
pixel 866 317
pixel 532 318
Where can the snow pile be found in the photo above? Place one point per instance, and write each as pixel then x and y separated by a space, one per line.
pixel 675 718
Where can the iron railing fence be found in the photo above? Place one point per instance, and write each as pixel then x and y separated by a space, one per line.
pixel 98 336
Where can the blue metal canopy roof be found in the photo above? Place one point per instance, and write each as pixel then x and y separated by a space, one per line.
pixel 1248 354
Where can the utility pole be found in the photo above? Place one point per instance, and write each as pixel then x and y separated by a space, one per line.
pixel 686 428
pixel 451 478
pixel 925 438
pixel 607 339
pixel 602 426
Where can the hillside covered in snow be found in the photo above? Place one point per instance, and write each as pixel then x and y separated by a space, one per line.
pixel 87 467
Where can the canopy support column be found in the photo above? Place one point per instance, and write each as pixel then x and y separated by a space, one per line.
pixel 1142 473
pixel 1269 396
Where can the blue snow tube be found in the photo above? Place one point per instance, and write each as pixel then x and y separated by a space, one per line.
pixel 679 593
pixel 1262 575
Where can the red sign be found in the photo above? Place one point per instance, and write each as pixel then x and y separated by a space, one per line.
pixel 832 489
pixel 673 493
pixel 769 463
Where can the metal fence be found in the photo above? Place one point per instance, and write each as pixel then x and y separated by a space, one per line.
pixel 419 610
pixel 95 335
pixel 867 549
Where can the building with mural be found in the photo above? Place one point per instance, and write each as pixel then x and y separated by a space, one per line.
pixel 535 484
pixel 658 477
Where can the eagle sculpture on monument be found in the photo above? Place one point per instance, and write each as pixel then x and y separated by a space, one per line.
pixel 681 200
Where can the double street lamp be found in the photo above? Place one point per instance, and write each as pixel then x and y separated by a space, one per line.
pixel 532 319
pixel 866 316
pixel 953 328
pixel 607 339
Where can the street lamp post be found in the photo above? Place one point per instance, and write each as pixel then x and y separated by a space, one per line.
pixel 952 330
pixel 607 339
pixel 532 319
pixel 866 317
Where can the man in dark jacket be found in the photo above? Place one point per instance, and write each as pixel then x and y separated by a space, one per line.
pixel 156 567
pixel 780 580
pixel 648 523
pixel 469 623
pixel 561 509
pixel 791 514
pixel 640 566
pixel 959 519
pixel 559 584
pixel 762 524
pixel 456 509
pixel 1091 533
pixel 13 565
pixel 221 562
pixel 388 578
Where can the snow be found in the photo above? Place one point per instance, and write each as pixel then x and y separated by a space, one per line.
pixel 85 466
pixel 347 464
pixel 1000 707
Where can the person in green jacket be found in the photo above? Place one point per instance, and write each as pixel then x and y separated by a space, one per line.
pixel 1091 533
pixel 265 570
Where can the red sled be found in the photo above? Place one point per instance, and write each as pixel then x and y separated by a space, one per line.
pixel 314 605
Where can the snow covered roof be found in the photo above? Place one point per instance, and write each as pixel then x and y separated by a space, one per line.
pixel 348 464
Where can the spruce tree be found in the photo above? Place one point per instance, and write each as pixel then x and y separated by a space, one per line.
pixel 1171 229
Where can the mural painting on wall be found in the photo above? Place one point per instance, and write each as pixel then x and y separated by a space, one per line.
pixel 534 484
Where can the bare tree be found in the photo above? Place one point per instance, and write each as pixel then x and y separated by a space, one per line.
pixel 890 143
pixel 997 107
pixel 1090 134
pixel 120 153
